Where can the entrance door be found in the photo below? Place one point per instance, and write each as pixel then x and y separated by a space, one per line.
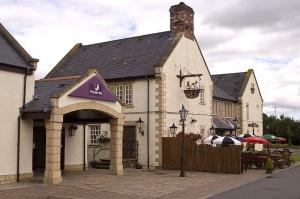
pixel 129 142
pixel 62 150
pixel 39 148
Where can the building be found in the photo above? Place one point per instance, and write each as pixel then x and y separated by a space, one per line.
pixel 17 70
pixel 142 71
pixel 99 92
pixel 237 103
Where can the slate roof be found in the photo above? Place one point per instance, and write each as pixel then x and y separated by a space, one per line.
pixel 43 90
pixel 11 52
pixel 124 58
pixel 228 86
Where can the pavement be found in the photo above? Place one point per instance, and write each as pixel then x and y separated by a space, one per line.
pixel 284 184
pixel 135 184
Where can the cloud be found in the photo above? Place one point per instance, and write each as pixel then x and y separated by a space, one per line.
pixel 268 14
pixel 234 35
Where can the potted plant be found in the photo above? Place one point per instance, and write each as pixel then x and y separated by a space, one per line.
pixel 269 166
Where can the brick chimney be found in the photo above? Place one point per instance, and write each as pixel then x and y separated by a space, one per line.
pixel 182 19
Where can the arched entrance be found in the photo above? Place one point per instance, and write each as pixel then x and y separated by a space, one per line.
pixel 83 112
pixel 81 100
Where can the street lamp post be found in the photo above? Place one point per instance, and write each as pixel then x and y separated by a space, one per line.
pixel 183 114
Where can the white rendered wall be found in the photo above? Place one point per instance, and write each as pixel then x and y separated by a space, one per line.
pixel 187 57
pixel 138 110
pixel 74 146
pixel 255 108
pixel 11 85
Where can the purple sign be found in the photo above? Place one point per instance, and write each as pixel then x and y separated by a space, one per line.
pixel 94 88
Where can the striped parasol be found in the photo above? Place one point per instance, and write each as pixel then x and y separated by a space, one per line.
pixel 210 139
pixel 226 140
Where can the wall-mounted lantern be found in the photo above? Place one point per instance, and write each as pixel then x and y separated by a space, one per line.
pixel 72 130
pixel 173 129
pixel 140 125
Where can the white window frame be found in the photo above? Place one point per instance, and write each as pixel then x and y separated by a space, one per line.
pixel 95 131
pixel 128 94
pixel 228 109
pixel 215 107
pixel 120 91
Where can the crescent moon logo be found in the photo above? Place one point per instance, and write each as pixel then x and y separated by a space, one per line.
pixel 97 87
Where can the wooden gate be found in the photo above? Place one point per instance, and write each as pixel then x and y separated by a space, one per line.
pixel 204 158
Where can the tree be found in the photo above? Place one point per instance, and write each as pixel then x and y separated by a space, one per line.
pixel 284 126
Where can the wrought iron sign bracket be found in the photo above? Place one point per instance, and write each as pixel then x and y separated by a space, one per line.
pixel 182 77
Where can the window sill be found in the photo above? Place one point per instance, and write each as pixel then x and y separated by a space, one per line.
pixel 128 105
pixel 93 145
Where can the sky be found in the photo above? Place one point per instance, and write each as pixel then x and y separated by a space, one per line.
pixel 234 35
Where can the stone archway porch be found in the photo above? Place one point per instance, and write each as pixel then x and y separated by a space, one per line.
pixel 75 99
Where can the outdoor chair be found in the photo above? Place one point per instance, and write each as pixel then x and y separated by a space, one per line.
pixel 286 159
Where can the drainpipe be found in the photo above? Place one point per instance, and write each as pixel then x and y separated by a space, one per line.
pixel 84 147
pixel 148 115
pixel 19 124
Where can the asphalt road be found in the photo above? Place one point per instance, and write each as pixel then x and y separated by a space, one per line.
pixel 283 185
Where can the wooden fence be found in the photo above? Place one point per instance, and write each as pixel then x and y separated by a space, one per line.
pixel 204 158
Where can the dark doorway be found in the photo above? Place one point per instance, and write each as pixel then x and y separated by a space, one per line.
pixel 129 142
pixel 62 150
pixel 39 148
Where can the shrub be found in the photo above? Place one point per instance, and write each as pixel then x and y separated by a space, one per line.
pixel 269 166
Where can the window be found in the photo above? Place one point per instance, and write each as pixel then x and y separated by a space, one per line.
pixel 247 111
pixel 123 92
pixel 201 95
pixel 119 92
pixel 228 109
pixel 128 93
pixel 215 107
pixel 95 131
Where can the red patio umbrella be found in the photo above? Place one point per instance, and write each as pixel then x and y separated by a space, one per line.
pixel 280 139
pixel 255 139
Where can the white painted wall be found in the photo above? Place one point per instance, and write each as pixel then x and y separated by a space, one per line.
pixel 11 85
pixel 140 110
pixel 74 146
pixel 187 57
pixel 255 107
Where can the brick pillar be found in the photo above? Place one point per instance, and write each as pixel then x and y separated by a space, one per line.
pixel 53 147
pixel 116 144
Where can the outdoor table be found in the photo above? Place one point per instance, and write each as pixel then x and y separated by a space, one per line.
pixel 261 162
